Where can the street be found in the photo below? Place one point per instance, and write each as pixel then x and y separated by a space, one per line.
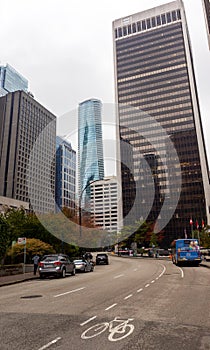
pixel 157 304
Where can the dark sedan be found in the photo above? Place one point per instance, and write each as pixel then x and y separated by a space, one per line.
pixel 102 258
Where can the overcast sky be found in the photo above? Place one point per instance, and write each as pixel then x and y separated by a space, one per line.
pixel 64 48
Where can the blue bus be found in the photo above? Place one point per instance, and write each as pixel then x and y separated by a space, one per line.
pixel 186 251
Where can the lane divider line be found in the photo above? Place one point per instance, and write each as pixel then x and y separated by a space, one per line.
pixel 182 272
pixel 128 296
pixel 147 285
pixel 110 307
pixel 50 343
pixel 139 290
pixel 70 291
pixel 152 281
pixel 119 276
pixel 89 320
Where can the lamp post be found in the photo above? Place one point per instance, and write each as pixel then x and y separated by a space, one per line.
pixel 80 209
pixel 80 202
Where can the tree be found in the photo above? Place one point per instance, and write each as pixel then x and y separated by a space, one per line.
pixel 33 247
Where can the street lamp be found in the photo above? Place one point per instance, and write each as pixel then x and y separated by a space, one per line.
pixel 80 202
pixel 80 209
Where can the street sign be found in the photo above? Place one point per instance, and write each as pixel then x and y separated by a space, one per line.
pixel 22 240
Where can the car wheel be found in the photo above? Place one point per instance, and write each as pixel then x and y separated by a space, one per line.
pixel 63 274
pixel 73 272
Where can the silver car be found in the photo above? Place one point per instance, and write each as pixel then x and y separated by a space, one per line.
pixel 56 265
pixel 83 265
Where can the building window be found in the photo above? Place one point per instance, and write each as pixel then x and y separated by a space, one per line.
pixel 134 27
pixel 163 17
pixel 143 25
pixel 168 15
pixel 148 23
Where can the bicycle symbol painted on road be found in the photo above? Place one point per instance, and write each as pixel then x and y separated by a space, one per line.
pixel 117 331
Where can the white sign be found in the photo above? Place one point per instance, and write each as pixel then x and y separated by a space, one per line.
pixel 22 240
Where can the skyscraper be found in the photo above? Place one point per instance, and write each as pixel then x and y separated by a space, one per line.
pixel 65 185
pixel 206 7
pixel 11 80
pixel 27 150
pixel 90 146
pixel 158 115
pixel 104 204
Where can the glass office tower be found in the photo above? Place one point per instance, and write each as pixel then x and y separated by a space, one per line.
pixel 11 80
pixel 90 146
pixel 158 116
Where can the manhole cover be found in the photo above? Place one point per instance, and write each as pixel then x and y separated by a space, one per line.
pixel 31 296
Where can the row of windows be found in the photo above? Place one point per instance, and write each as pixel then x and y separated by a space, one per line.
pixel 148 23
pixel 150 73
pixel 148 39
pixel 150 50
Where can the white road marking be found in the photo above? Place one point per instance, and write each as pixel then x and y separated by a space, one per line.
pixel 147 285
pixel 164 269
pixel 110 307
pixel 70 291
pixel 128 296
pixel 89 320
pixel 118 276
pixel 135 269
pixel 50 343
pixel 182 272
pixel 152 281
pixel 139 290
pixel 157 278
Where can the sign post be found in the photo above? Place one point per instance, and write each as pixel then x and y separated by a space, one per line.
pixel 22 240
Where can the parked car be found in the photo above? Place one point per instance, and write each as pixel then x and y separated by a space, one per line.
pixel 102 258
pixel 56 265
pixel 83 265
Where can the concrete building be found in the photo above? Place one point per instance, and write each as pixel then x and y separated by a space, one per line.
pixel 104 204
pixel 158 115
pixel 27 151
pixel 90 146
pixel 11 80
pixel 65 174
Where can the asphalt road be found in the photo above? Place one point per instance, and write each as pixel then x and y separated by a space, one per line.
pixel 160 305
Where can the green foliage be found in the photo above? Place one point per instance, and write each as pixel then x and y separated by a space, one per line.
pixel 33 247
pixel 15 223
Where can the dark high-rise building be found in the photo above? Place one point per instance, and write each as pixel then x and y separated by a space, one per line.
pixel 158 115
pixel 206 6
pixel 65 174
pixel 27 151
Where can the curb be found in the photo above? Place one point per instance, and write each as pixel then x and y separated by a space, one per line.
pixel 8 283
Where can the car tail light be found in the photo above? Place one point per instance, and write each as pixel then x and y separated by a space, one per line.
pixel 57 263
pixel 41 264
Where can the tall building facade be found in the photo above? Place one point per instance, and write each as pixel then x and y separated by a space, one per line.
pixel 90 146
pixel 104 204
pixel 158 116
pixel 206 7
pixel 65 184
pixel 11 80
pixel 27 151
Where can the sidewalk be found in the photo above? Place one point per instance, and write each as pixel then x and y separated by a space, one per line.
pixel 12 279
